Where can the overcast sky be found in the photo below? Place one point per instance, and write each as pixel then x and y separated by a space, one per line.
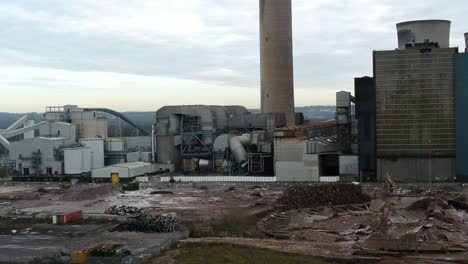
pixel 143 54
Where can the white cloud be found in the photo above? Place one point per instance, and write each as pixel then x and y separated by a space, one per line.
pixel 200 42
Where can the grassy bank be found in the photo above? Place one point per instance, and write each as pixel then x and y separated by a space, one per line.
pixel 227 254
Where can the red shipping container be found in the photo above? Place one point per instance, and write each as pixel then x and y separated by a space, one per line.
pixel 65 218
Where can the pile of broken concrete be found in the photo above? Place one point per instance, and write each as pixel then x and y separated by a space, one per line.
pixel 423 225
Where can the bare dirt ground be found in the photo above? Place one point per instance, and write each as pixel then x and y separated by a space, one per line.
pixel 414 223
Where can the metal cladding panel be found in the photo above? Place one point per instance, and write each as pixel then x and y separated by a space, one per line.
pixel 77 161
pixel 365 114
pixel 416 32
pixel 413 170
pixel 349 165
pixel 462 110
pixel 96 146
pixel 415 102
pixel 276 58
pixel 115 145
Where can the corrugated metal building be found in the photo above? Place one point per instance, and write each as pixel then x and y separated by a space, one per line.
pixel 415 113
pixel 131 170
pixel 365 114
pixel 462 121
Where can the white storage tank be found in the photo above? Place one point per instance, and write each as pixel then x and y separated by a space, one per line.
pixel 77 160
pixel 97 151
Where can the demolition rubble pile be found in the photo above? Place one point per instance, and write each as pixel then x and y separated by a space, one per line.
pixel 392 223
pixel 307 196
pixel 148 223
pixel 430 224
pixel 124 210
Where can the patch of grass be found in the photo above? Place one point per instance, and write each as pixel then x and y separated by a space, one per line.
pixel 209 253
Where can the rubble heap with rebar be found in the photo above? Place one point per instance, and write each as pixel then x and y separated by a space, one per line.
pixel 307 196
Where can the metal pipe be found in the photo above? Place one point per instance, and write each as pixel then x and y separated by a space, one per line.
pixel 237 146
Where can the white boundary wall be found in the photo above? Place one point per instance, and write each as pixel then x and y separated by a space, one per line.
pixel 218 179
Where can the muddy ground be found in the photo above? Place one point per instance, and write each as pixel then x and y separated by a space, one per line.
pixel 414 223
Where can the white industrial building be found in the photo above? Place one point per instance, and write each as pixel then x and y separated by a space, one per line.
pixel 131 170
pixel 73 141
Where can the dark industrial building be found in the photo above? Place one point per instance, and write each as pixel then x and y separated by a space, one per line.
pixel 461 73
pixel 411 113
pixel 365 115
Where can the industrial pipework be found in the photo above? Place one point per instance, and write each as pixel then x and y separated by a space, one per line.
pixel 237 145
pixel 435 33
pixel 276 58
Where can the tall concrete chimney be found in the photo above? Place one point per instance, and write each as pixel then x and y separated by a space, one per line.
pixel 276 58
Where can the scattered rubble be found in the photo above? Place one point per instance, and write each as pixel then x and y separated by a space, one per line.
pixel 147 223
pixel 124 210
pixel 162 192
pixel 307 196
pixel 275 225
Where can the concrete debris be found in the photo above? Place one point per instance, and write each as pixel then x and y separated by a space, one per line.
pixel 428 225
pixel 230 189
pixel 257 194
pixel 307 196
pixel 147 223
pixel 162 192
pixel 275 225
pixel 124 210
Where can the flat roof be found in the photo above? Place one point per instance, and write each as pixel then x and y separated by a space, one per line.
pixel 53 138
pixel 131 165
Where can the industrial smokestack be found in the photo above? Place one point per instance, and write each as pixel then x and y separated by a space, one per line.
pixel 424 32
pixel 276 58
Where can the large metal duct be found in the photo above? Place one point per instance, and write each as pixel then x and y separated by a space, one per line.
pixel 423 31
pixel 221 115
pixel 276 58
pixel 237 146
pixel 236 110
pixel 168 127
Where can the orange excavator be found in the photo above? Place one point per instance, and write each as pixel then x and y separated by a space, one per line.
pixel 390 184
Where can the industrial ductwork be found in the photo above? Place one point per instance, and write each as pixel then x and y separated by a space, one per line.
pixel 435 33
pixel 237 145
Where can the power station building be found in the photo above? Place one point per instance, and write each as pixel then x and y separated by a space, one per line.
pixel 461 74
pixel 416 97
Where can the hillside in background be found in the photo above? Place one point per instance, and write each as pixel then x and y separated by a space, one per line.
pixel 146 119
